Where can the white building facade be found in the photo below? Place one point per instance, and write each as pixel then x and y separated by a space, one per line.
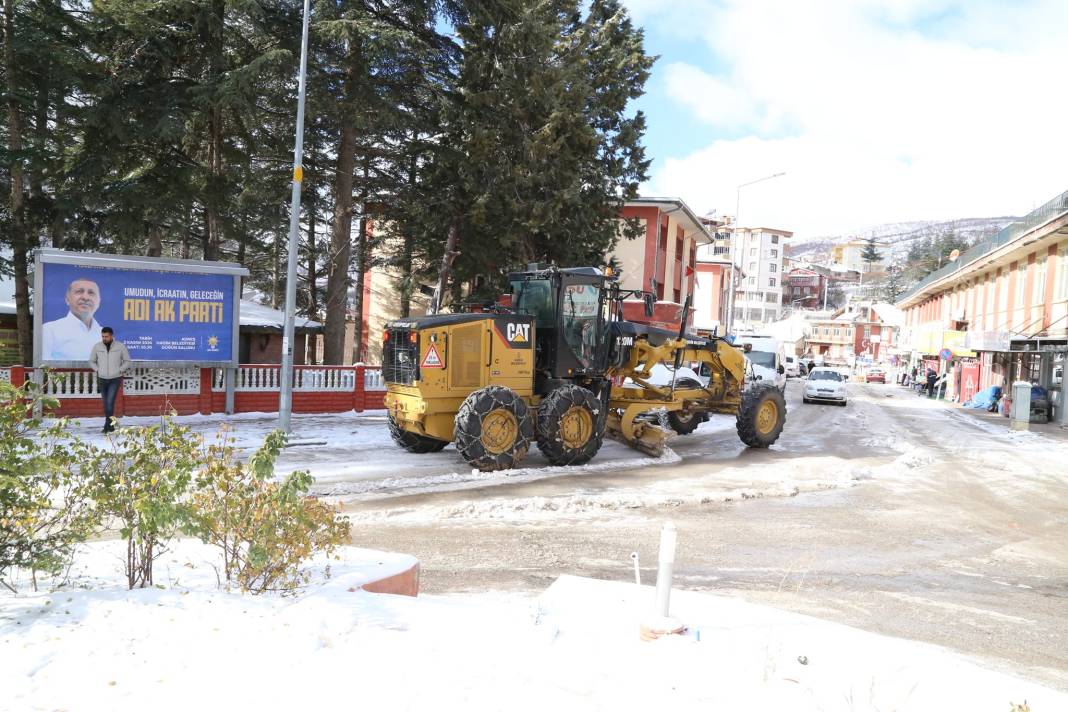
pixel 850 255
pixel 759 253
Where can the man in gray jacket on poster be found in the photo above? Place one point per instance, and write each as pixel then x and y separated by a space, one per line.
pixel 110 361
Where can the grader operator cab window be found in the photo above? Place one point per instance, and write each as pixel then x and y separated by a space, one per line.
pixel 581 321
pixel 535 298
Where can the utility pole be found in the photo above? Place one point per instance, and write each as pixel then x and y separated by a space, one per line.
pixel 734 251
pixel 285 399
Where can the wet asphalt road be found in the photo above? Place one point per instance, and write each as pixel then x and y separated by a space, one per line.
pixel 896 516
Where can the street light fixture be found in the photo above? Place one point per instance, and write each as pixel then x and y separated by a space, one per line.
pixel 733 250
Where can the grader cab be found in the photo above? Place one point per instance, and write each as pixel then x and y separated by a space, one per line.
pixel 559 367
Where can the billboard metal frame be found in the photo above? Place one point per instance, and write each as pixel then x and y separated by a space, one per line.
pixel 145 264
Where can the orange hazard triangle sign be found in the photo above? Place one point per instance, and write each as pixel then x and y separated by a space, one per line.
pixel 432 359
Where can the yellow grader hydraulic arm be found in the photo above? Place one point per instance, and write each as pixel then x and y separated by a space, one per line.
pixel 634 394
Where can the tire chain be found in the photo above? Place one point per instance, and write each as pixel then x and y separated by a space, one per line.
pixel 550 441
pixel 481 403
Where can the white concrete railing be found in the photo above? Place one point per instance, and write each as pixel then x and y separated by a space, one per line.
pixel 144 381
pixel 71 384
pixel 141 381
pixel 372 379
pixel 170 381
pixel 308 379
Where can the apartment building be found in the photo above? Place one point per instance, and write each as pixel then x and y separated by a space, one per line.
pixel 664 259
pixel 759 254
pixel 865 332
pixel 850 256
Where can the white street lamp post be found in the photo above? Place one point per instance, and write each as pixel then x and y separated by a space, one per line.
pixel 735 236
pixel 285 397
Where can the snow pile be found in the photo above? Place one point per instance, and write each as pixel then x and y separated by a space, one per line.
pixel 576 647
pixel 635 493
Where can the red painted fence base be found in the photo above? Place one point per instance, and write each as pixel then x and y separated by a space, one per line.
pixel 209 400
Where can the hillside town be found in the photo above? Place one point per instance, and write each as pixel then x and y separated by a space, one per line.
pixel 512 355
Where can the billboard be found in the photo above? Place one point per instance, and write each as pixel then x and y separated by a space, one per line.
pixel 166 312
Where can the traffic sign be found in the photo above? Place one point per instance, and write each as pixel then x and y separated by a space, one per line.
pixel 945 354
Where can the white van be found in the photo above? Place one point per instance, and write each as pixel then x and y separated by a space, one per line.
pixel 767 358
pixel 793 366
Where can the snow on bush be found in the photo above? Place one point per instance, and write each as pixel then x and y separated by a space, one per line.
pixel 151 484
pixel 45 510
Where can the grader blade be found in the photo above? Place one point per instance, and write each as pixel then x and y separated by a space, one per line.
pixel 644 437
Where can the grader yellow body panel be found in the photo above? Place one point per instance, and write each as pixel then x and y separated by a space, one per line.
pixel 445 361
pixel 557 369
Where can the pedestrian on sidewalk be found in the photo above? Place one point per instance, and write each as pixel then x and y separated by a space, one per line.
pixel 110 361
pixel 932 379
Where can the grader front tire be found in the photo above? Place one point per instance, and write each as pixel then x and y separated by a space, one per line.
pixel 414 442
pixel 761 416
pixel 571 425
pixel 493 429
pixel 683 423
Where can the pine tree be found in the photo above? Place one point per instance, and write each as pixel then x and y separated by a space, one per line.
pixel 538 152
pixel 384 63
pixel 870 254
pixel 894 285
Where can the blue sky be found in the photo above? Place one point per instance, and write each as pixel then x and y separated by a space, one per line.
pixel 877 110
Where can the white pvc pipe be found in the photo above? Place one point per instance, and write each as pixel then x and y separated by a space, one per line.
pixel 666 568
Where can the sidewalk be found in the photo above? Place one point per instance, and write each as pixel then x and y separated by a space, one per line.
pixel 1053 430
pixel 992 420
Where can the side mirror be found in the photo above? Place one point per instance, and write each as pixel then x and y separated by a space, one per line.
pixel 781 369
pixel 650 304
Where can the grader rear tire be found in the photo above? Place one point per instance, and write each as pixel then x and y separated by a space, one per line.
pixel 571 425
pixel 493 429
pixel 761 416
pixel 414 442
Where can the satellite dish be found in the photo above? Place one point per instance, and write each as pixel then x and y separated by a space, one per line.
pixel 954 255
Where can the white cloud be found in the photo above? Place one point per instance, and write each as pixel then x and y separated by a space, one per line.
pixel 710 98
pixel 872 121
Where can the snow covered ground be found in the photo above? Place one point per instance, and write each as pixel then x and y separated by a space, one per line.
pixel 352 456
pixel 187 646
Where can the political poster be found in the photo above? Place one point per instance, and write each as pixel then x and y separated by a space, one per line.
pixel 160 312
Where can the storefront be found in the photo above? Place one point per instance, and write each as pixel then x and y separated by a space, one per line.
pixel 1039 361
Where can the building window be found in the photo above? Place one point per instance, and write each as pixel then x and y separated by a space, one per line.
pixel 1039 295
pixel 771 298
pixel 752 266
pixel 775 239
pixel 1021 285
pixel 1062 292
pixel 836 330
pixel 678 296
pixel 752 281
pixel 773 267
pixel 771 282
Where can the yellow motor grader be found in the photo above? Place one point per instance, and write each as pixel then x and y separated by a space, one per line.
pixel 560 367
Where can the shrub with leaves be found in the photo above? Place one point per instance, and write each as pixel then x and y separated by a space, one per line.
pixel 141 485
pixel 264 529
pixel 44 508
